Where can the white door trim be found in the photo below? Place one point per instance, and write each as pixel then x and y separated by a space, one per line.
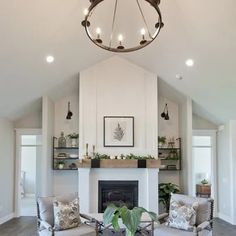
pixel 18 133
pixel 211 133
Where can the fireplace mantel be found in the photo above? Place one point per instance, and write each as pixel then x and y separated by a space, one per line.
pixel 150 163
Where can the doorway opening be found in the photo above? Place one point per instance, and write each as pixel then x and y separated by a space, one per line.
pixel 29 144
pixel 204 163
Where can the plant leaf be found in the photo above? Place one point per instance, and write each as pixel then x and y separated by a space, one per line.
pixel 109 213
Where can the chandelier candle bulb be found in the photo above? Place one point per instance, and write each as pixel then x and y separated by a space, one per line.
pixel 85 11
pixel 143 31
pixel 98 32
pixel 120 38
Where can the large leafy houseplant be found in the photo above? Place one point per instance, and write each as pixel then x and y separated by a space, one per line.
pixel 130 218
pixel 165 190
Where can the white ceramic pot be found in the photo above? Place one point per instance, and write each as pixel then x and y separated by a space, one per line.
pixel 61 166
pixel 74 142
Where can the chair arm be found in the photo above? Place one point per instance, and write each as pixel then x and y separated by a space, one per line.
pixel 203 226
pixel 162 216
pixel 87 217
pixel 46 225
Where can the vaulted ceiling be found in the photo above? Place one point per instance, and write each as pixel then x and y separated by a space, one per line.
pixel 203 30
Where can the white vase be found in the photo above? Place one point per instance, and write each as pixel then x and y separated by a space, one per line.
pixel 74 142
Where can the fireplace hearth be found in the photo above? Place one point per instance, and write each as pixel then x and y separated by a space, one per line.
pixel 117 192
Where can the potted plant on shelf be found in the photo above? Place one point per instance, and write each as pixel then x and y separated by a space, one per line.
pixel 165 190
pixel 130 218
pixel 60 165
pixel 74 139
pixel 161 141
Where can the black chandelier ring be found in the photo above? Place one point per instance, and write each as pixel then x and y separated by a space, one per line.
pixel 120 48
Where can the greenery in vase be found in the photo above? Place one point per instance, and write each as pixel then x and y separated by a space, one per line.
pixel 73 136
pixel 130 218
pixel 165 190
pixel 161 140
pixel 130 156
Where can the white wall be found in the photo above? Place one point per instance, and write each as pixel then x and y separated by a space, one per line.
pixel 226 172
pixel 6 169
pixel 116 87
pixel 46 184
pixel 224 179
pixel 201 123
pixel 33 120
pixel 168 128
pixel 185 128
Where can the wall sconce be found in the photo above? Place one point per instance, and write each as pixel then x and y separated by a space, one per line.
pixel 69 113
pixel 165 114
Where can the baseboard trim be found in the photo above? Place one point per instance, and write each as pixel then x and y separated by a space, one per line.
pixel 6 218
pixel 225 217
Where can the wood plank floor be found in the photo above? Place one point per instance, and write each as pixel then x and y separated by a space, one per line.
pixel 26 226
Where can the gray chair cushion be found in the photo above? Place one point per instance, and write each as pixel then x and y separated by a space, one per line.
pixel 164 230
pixel 45 205
pixel 82 230
pixel 203 210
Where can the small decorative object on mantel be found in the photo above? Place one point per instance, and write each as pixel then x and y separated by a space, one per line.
pixel 74 139
pixel 62 141
pixel 118 131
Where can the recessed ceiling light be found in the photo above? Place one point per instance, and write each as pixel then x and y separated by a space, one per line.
pixel 50 59
pixel 189 62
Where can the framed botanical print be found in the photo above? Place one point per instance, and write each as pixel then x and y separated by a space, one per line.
pixel 118 131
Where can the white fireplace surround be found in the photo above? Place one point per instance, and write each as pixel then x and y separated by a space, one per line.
pixel 147 185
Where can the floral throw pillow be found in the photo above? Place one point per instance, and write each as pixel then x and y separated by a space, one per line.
pixel 66 215
pixel 182 216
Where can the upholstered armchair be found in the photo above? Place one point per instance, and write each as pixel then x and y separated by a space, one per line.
pixel 45 213
pixel 204 218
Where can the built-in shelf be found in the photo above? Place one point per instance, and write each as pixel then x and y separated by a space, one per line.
pixel 61 157
pixel 66 148
pixel 170 157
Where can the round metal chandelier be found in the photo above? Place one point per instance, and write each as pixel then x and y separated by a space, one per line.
pixel 114 40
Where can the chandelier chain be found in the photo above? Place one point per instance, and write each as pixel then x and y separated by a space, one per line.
pixel 144 20
pixel 113 22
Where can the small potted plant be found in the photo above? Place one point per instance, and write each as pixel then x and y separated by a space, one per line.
pixel 161 141
pixel 130 218
pixel 74 139
pixel 204 182
pixel 60 165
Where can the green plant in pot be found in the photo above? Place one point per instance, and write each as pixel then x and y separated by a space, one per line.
pixel 161 141
pixel 74 139
pixel 130 218
pixel 204 182
pixel 165 190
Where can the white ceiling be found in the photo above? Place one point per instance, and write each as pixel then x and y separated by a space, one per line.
pixel 204 30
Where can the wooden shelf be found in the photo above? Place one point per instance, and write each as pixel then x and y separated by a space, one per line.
pixel 66 148
pixel 150 163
